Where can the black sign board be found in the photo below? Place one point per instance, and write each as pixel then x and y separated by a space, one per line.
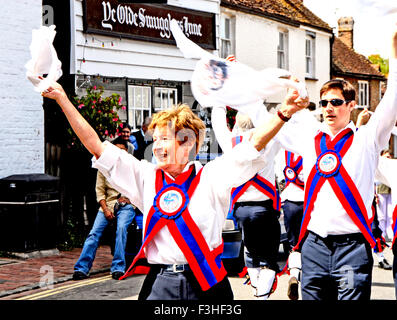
pixel 148 22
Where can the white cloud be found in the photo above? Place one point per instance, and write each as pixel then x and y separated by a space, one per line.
pixel 374 21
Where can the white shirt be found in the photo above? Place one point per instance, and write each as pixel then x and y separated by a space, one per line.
pixel 386 173
pixel 224 138
pixel 208 206
pixel 361 160
pixel 292 192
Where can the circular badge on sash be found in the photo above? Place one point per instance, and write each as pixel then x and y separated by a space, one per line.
pixel 289 173
pixel 328 163
pixel 170 202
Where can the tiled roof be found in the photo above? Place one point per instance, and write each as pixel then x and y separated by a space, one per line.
pixel 345 60
pixel 288 11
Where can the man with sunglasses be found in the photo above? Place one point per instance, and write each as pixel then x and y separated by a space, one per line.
pixel 339 163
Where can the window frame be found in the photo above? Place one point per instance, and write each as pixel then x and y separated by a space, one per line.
pixel 364 91
pixel 283 52
pixel 310 60
pixel 223 38
pixel 169 102
pixel 132 104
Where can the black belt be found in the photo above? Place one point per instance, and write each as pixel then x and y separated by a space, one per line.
pixel 264 203
pixel 175 268
pixel 335 238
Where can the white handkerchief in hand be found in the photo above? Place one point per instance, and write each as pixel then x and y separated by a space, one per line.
pixel 44 59
pixel 218 82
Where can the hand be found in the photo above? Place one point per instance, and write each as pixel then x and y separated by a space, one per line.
pixel 124 199
pixel 293 102
pixel 363 117
pixel 55 92
pixel 108 214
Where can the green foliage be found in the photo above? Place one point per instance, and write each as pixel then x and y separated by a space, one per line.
pixel 100 112
pixel 383 63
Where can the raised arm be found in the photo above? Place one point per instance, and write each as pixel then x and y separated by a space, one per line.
pixel 80 126
pixel 267 130
pixel 384 118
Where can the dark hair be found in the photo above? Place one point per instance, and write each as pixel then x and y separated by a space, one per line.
pixel 125 125
pixel 347 89
pixel 119 140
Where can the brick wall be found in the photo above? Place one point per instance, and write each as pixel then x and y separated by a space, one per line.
pixel 22 116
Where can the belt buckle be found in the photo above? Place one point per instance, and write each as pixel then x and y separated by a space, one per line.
pixel 178 267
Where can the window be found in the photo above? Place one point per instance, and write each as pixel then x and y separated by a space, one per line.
pixel 282 50
pixel 139 102
pixel 226 36
pixel 164 98
pixel 310 54
pixel 363 96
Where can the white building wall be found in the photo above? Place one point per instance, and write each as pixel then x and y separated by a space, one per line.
pixel 22 115
pixel 132 58
pixel 256 40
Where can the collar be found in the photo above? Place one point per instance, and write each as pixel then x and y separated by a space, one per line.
pixel 324 128
pixel 197 165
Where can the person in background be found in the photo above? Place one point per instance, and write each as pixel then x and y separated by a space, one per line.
pixel 107 198
pixel 382 206
pixel 124 137
pixel 142 140
pixel 289 167
pixel 254 205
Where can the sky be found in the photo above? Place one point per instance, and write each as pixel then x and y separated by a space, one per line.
pixel 374 21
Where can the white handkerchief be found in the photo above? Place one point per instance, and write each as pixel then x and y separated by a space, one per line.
pixel 44 59
pixel 218 82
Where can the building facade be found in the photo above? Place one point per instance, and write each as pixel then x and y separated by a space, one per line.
pixel 278 34
pixel 22 120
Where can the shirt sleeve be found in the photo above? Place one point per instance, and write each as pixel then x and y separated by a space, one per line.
pixel 100 187
pixel 123 171
pixel 382 122
pixel 295 134
pixel 219 125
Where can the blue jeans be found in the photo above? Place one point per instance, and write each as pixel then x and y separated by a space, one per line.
pixel 125 215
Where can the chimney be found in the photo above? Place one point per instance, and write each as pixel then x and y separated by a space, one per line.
pixel 345 30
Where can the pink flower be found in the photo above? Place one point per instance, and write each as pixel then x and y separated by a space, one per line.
pixel 80 105
pixel 94 87
pixel 106 132
pixel 94 101
pixel 115 119
pixel 121 126
pixel 123 107
pixel 120 99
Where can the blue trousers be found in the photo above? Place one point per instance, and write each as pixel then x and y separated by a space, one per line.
pixel 336 268
pixel 293 213
pixel 124 216
pixel 164 285
pixel 261 233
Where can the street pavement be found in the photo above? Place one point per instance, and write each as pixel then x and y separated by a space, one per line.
pixel 38 275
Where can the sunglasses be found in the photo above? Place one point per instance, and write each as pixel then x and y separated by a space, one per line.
pixel 334 102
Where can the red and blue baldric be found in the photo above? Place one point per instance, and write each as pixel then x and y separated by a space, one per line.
pixel 329 168
pixel 292 170
pixel 258 182
pixel 170 209
pixel 394 225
